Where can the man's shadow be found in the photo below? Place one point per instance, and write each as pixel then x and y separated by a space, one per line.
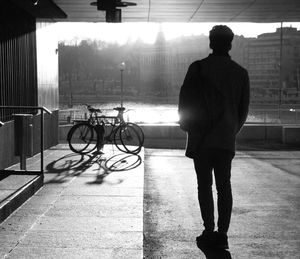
pixel 213 253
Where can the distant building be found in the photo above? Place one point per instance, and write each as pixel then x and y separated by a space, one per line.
pixel 274 68
pixel 163 65
pixel 239 51
pixel 156 71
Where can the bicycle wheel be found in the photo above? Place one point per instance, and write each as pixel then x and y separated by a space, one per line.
pixel 129 138
pixel 82 138
pixel 139 132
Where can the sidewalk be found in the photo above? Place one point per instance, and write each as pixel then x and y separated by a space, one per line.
pixel 82 211
pixel 85 211
pixel 266 207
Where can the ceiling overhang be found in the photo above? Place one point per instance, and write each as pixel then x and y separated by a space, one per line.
pixel 42 9
pixel 260 11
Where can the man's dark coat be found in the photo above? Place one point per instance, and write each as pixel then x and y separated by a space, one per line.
pixel 233 82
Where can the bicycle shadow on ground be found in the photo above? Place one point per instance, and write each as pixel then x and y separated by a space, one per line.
pixel 75 164
pixel 117 163
pixel 69 166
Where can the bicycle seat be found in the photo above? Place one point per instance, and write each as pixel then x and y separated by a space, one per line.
pixel 91 109
pixel 119 109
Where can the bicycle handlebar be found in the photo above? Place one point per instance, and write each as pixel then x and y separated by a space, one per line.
pixel 92 109
pixel 119 109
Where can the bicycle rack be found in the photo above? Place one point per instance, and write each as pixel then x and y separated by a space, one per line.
pixel 42 110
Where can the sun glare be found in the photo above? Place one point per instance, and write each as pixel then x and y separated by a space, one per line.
pixel 246 29
pixel 147 32
pixel 153 116
pixel 114 33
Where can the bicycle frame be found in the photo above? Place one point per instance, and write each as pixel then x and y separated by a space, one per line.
pixel 96 119
pixel 103 120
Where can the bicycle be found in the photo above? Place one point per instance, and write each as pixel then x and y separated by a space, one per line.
pixel 98 130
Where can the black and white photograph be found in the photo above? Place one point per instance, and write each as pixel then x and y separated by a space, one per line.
pixel 149 129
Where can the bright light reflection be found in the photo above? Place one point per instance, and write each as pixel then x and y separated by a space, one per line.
pixel 247 29
pixel 109 32
pixel 152 116
pixel 147 32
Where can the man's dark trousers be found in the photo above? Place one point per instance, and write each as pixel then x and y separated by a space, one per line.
pixel 219 161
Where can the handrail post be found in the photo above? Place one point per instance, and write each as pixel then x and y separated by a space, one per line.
pixel 42 109
pixel 42 141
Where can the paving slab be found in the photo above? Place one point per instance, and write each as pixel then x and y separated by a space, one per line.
pixel 15 189
pixel 84 240
pixel 75 253
pixel 87 211
pixel 84 210
pixel 5 194
pixel 14 182
pixel 88 224
pixel 266 208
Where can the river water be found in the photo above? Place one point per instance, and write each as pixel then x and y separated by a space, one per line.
pixel 167 113
pixel 135 112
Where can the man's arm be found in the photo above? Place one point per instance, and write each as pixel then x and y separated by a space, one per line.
pixel 185 97
pixel 244 102
pixel 187 84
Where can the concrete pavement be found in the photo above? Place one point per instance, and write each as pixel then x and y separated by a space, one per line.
pixel 151 211
pixel 89 207
pixel 266 210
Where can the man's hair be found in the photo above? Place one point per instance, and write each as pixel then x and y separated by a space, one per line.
pixel 220 38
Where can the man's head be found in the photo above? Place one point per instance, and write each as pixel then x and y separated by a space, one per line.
pixel 220 38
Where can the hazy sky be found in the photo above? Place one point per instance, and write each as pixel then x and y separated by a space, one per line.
pixel 147 32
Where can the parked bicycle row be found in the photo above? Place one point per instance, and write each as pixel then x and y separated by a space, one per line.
pixel 92 134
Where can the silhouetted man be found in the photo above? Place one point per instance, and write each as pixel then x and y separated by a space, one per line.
pixel 213 106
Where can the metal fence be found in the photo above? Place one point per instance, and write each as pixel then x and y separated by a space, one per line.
pixel 274 116
pixel 169 115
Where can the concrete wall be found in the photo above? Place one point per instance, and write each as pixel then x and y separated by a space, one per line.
pixel 7 141
pixel 260 132
pixel 163 136
pixel 171 136
pixel 291 134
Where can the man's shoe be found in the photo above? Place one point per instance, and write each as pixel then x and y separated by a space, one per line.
pixel 206 239
pixel 220 240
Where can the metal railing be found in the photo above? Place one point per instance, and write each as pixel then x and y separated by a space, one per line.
pixel 274 116
pixel 168 115
pixel 42 110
